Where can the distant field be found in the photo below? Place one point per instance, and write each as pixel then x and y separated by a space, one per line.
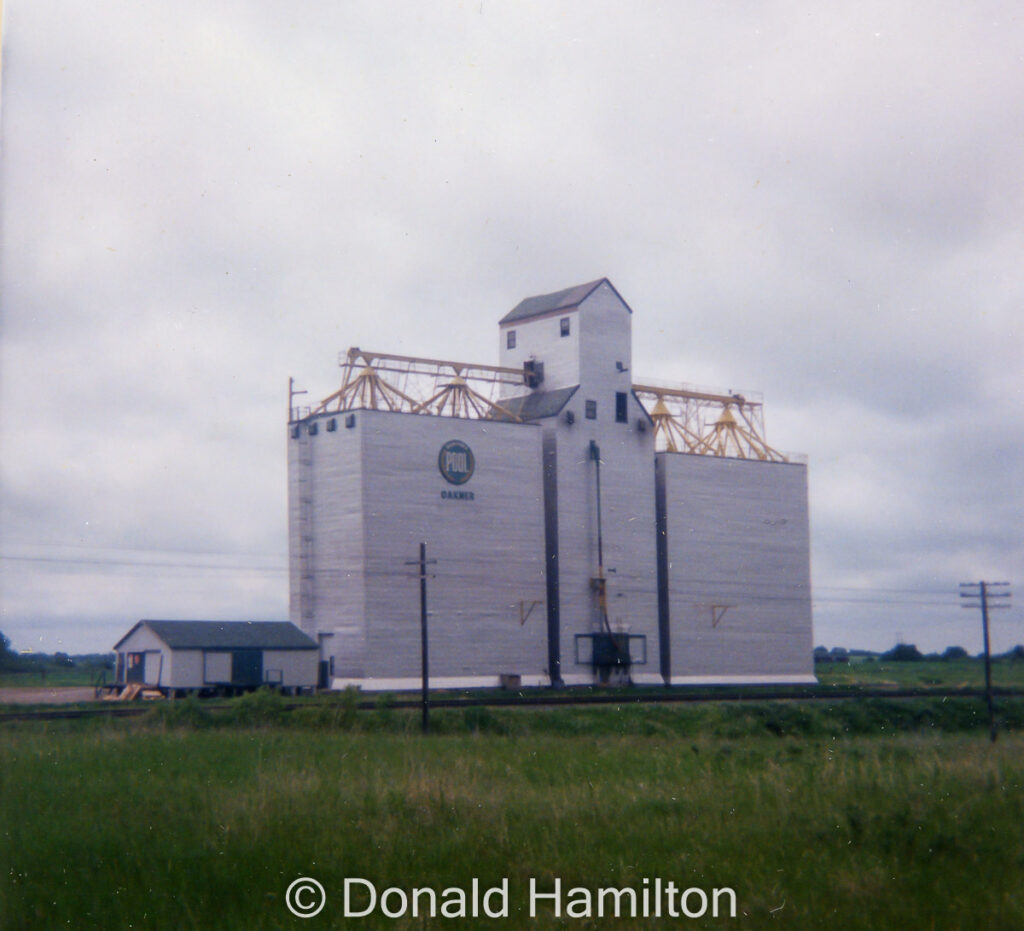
pixel 180 821
pixel 54 677
pixel 964 673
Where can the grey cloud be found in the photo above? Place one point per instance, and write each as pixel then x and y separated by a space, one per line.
pixel 201 201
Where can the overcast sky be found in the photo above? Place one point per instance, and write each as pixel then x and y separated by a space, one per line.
pixel 822 202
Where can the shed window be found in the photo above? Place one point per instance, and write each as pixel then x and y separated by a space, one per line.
pixel 564 326
pixel 621 415
pixel 510 339
pixel 591 410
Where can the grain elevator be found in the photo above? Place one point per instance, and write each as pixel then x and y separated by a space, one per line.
pixel 583 525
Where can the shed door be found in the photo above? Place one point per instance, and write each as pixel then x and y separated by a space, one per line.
pixel 136 671
pixel 247 667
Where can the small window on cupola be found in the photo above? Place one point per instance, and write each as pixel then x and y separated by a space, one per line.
pixel 564 326
pixel 510 339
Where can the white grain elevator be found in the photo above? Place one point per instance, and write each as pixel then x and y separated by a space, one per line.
pixel 587 526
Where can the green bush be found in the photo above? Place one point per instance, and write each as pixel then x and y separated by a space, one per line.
pixel 185 712
pixel 386 710
pixel 339 713
pixel 261 708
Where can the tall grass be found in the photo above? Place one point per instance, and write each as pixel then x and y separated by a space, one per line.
pixel 159 825
pixel 820 718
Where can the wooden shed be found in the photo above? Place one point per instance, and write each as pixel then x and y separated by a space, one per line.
pixel 216 656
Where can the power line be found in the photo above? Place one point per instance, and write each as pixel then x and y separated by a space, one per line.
pixel 895 591
pixel 135 564
pixel 751 592
pixel 50 544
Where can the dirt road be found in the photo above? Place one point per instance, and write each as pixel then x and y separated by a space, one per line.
pixel 43 695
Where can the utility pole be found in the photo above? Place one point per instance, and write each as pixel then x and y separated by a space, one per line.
pixel 423 562
pixel 977 594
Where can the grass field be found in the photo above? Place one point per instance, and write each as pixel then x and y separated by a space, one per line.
pixel 962 673
pixel 54 677
pixel 858 814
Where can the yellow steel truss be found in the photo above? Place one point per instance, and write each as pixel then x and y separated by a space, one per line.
pixel 727 437
pixel 703 422
pixel 685 420
pixel 371 380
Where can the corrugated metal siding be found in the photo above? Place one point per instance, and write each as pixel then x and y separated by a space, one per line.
pixel 541 339
pixel 489 550
pixel 605 338
pixel 326 537
pixel 299 477
pixel 627 503
pixel 376 492
pixel 627 492
pixel 737 535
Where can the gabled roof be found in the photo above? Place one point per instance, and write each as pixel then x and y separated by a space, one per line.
pixel 226 635
pixel 560 300
pixel 536 406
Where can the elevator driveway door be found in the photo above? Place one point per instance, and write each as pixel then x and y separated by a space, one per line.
pixel 247 667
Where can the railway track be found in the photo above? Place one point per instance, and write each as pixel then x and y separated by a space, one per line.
pixel 625 697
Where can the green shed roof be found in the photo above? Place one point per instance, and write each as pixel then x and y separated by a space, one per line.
pixel 227 635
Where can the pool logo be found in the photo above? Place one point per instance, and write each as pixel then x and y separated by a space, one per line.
pixel 456 462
